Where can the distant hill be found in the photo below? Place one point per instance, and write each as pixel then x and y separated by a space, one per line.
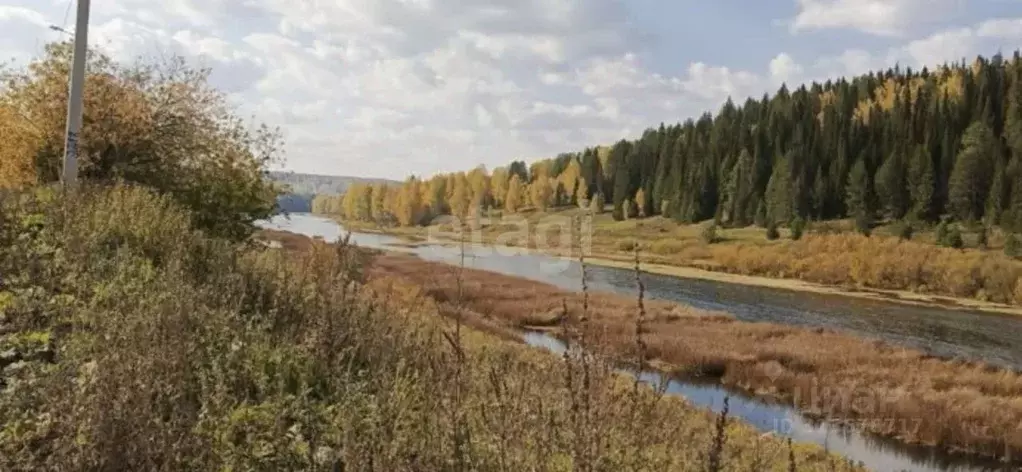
pixel 303 187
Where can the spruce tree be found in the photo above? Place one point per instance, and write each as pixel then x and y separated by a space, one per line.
pixel 891 187
pixel 921 183
pixel 779 192
pixel 969 184
pixel 761 215
pixel 858 199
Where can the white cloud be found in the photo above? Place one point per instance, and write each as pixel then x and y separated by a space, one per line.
pixel 940 47
pixel 14 13
pixel 879 17
pixel 208 46
pixel 390 87
pixel 784 69
pixel 1006 28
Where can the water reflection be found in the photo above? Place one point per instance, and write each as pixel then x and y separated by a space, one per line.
pixel 948 333
pixel 942 332
pixel 874 452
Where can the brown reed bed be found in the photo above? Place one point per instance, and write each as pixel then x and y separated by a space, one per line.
pixel 905 393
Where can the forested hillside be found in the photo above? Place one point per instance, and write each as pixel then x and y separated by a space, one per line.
pixel 302 188
pixel 895 144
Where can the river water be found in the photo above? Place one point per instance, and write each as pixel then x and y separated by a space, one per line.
pixel 943 332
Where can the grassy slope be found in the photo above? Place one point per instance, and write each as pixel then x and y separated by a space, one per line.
pixel 131 342
pixel 830 255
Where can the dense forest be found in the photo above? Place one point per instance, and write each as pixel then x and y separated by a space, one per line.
pixel 922 145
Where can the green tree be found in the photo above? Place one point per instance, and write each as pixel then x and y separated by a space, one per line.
pixel 779 192
pixel 1012 246
pixel 891 187
pixel 970 180
pixel 771 230
pixel 798 227
pixel 921 184
pixel 858 197
pixel 709 233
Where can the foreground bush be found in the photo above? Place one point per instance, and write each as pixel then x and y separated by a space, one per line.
pixel 153 123
pixel 132 342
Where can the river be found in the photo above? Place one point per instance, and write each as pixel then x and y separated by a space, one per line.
pixel 943 332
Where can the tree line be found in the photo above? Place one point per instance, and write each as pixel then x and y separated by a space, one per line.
pixel 921 145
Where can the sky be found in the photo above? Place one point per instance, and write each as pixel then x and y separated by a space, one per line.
pixel 388 88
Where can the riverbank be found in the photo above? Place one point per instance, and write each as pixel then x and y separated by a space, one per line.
pixel 891 391
pixel 703 266
pixel 130 338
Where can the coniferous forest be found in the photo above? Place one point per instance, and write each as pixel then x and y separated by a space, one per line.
pixel 922 145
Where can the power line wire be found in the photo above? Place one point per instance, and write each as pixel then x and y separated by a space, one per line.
pixel 67 12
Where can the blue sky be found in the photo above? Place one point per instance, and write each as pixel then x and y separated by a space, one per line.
pixel 385 88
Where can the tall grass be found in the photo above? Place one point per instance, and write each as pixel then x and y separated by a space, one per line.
pixel 141 344
pixel 882 262
pixel 886 389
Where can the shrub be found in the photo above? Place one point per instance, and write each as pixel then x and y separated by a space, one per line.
pixel 798 227
pixel 954 239
pixel 618 214
pixel 666 247
pixel 903 230
pixel 631 209
pixel 627 245
pixel 157 124
pixel 772 234
pixel 709 233
pixel 941 232
pixel 1012 246
pixel 864 224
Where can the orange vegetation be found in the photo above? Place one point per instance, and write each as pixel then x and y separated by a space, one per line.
pixel 959 405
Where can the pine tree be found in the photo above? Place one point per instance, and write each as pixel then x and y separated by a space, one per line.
pixel 921 182
pixel 738 190
pixel 995 203
pixel 761 215
pixel 891 187
pixel 1013 114
pixel 970 180
pixel 858 198
pixel 779 193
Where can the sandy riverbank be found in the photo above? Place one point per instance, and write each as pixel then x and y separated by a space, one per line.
pixel 689 272
pixel 896 296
